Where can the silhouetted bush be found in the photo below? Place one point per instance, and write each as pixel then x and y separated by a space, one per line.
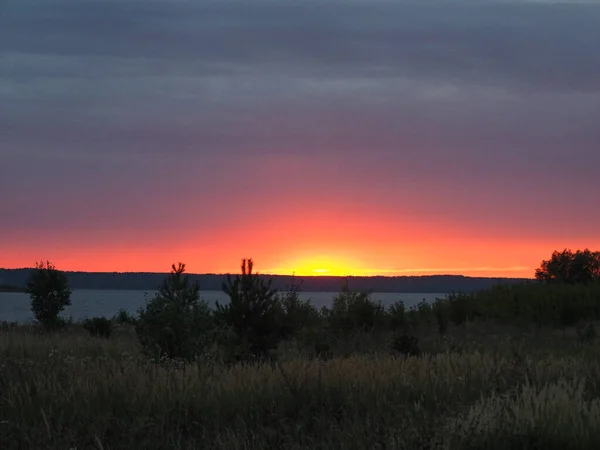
pixel 461 308
pixel 322 347
pixel 583 266
pixel 253 313
pixel 441 316
pixel 50 293
pixel 555 304
pixel 354 311
pixel 175 322
pixel 124 318
pixel 98 326
pixel 406 345
pixel 421 313
pixel 297 314
pixel 396 315
pixel 6 325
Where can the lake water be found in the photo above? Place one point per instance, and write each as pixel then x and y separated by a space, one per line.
pixel 15 307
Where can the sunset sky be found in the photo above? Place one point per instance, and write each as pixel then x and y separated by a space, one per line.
pixel 317 137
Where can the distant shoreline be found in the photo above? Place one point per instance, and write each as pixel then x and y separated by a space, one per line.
pixel 139 281
pixel 7 288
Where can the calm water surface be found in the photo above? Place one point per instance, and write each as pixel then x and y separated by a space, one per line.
pixel 16 306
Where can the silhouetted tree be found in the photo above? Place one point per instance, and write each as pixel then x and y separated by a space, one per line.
pixel 49 292
pixel 582 266
pixel 253 312
pixel 297 314
pixel 98 326
pixel 354 310
pixel 175 322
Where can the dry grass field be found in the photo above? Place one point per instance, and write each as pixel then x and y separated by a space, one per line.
pixel 477 387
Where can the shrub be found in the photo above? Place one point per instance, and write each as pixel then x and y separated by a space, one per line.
pixel 297 314
pixel 461 307
pixel 253 313
pixel 555 304
pixel 98 326
pixel 406 345
pixel 175 322
pixel 397 315
pixel 322 346
pixel 421 313
pixel 441 316
pixel 124 318
pixel 354 311
pixel 49 292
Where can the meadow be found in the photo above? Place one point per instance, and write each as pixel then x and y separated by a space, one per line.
pixel 512 367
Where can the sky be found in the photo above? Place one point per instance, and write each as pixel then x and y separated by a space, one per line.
pixel 340 137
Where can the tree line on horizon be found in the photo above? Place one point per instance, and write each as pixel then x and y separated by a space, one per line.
pixel 176 323
pixel 140 281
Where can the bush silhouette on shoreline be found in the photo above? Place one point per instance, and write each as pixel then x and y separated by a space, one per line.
pixel 50 294
pixel 98 326
pixel 175 322
pixel 253 313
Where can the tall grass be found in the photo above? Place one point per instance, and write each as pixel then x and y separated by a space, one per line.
pixel 70 390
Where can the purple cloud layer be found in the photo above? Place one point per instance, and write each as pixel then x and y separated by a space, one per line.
pixel 483 112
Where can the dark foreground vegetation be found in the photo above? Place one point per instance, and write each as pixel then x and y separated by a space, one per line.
pixel 510 367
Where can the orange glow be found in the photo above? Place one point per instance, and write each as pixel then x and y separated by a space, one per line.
pixel 318 265
pixel 326 243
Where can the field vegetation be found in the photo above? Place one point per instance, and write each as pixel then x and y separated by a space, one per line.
pixel 511 367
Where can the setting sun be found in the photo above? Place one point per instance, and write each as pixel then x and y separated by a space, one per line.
pixel 324 265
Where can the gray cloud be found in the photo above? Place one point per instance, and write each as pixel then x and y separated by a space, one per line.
pixel 517 44
pixel 504 93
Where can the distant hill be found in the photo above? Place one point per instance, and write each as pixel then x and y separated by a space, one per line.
pixel 212 282
pixel 8 288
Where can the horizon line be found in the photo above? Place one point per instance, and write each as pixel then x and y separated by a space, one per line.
pixel 385 273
